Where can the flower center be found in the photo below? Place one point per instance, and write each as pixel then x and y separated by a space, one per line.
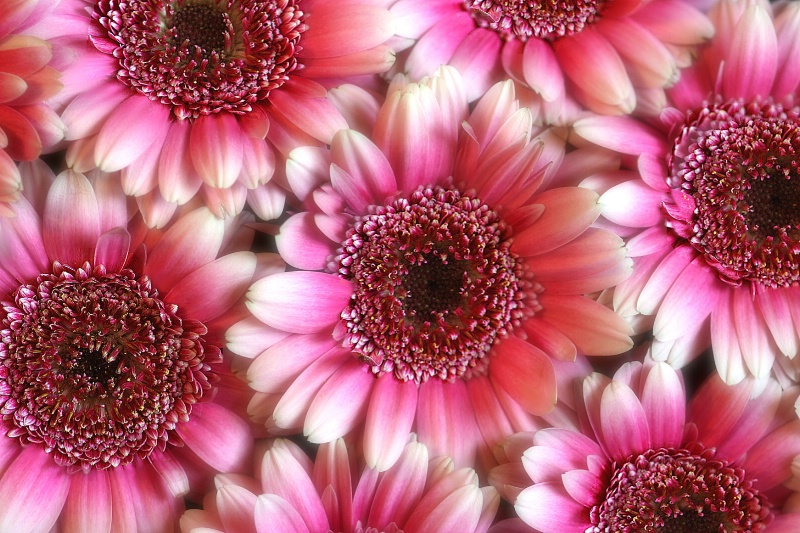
pixel 202 56
pixel 98 369
pixel 679 491
pixel 523 19
pixel 435 285
pixel 734 171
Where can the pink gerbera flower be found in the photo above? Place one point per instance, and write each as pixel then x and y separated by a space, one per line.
pixel 292 495
pixel 439 284
pixel 608 54
pixel 114 396
pixel 713 221
pixel 187 96
pixel 644 461
pixel 27 125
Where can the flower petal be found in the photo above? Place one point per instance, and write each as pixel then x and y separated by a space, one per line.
pixel 71 222
pixel 390 417
pixel 218 436
pixel 525 373
pixel 216 147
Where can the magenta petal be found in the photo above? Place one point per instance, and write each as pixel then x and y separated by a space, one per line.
pixel 71 222
pixel 302 244
pixel 584 487
pixel 218 436
pixel 299 302
pixel 752 59
pixel 33 490
pixel 112 249
pixel 215 287
pixel 368 178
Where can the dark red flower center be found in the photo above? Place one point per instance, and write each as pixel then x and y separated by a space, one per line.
pixel 202 56
pixel 435 285
pixel 679 491
pixel 525 19
pixel 97 368
pixel 734 170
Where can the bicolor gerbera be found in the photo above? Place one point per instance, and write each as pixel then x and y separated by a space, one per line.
pixel 438 284
pixel 293 495
pixel 610 55
pixel 713 220
pixel 115 399
pixel 645 461
pixel 27 124
pixel 197 95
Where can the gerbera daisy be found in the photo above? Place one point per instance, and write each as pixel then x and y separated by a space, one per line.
pixel 292 495
pixel 27 125
pixel 196 95
pixel 604 53
pixel 438 286
pixel 115 400
pixel 713 220
pixel 645 461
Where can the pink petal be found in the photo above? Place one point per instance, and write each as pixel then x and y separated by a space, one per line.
pixel 302 244
pixel 368 178
pixel 191 242
pixel 178 180
pixel 621 134
pixel 438 44
pixel 594 328
pixel 489 415
pixel 568 212
pixel 299 302
pixel 279 365
pixel 340 404
pixel 556 451
pixel 696 285
pixel 774 307
pixel 542 70
pixel 215 145
pixel 112 249
pixel 752 59
pixel 457 513
pixel 131 129
pixel 770 460
pixel 33 490
pixel 221 283
pixel 787 25
pixel 273 513
pixel 315 116
pixel 88 505
pixel 714 424
pixel 625 429
pixel 412 19
pixel 400 488
pixel 758 416
pixel 632 203
pixel 664 403
pixel 525 373
pixel 584 487
pixel 647 59
pixel 236 507
pixel 219 437
pixel 71 222
pixel 663 277
pixel 370 61
pixel 250 337
pixel 535 506
pixel 600 72
pixel 445 423
pixel 754 338
pixel 477 59
pixel 330 29
pixel 727 352
pixel 86 113
pixel 390 417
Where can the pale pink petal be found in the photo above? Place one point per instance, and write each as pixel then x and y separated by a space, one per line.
pixel 216 147
pixel 221 283
pixel 172 472
pixel 542 70
pixel 400 488
pixel 675 21
pixel 754 338
pixel 273 513
pixel 306 168
pixel 649 61
pixel 727 352
pixel 459 512
pixel 267 201
pixel 389 420
pixel 752 61
pixel 112 249
pixel 621 134
pixel 141 177
pixel 584 487
pixel 302 244
pixel 477 59
pixel 556 451
pixel 438 44
pixel 224 203
pixel 340 404
pixel 315 116
pixel 787 25
pixel 663 277
pixel 633 204
pixel 249 337
pixel 193 241
pixel 592 327
pixel 376 59
pixel 218 436
pixel 131 129
pixel 535 506
pixel 411 19
pixel 664 403
pixel 525 373
pixel 299 302
pixel 88 505
pixel 625 430
pixel 86 113
pixel 33 490
pixel 689 301
pixel 775 309
pixel 276 368
pixel 71 222
pixel 236 507
pixel 178 181
pixel 368 177
pixel 330 29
